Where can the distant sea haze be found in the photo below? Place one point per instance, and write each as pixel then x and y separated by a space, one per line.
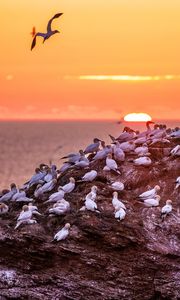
pixel 24 145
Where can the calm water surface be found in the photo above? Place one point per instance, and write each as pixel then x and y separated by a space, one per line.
pixel 24 145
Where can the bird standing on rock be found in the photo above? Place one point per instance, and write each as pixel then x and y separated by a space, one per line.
pixel 63 233
pixel 149 194
pixel 49 32
pixel 166 209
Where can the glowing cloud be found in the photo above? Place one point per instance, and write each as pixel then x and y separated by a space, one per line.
pixel 137 117
pixel 127 77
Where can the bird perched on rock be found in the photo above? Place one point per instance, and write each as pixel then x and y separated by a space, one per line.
pixel 89 176
pixel 166 209
pixel 111 164
pixel 60 208
pixel 3 208
pixel 176 151
pixel 63 233
pixel 116 202
pixel 119 213
pixel 117 186
pixel 177 182
pixel 69 187
pixel 150 194
pixel 142 161
pixel 8 196
pixel 56 196
pixel 150 202
pixel 93 147
pixel 93 193
pixel 25 217
pixel 49 32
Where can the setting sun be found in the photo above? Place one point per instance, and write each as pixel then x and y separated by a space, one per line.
pixel 137 117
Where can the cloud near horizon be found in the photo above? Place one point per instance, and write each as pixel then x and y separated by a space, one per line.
pixel 124 77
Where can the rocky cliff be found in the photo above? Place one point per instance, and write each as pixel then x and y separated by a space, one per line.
pixel 134 259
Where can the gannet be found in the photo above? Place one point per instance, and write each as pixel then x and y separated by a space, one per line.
pixel 117 186
pixel 37 178
pixel 150 202
pixel 111 164
pixel 90 205
pixel 8 196
pixel 69 187
pixel 56 196
pixel 142 161
pixel 150 194
pixel 51 174
pixel 63 233
pixel 116 202
pixel 141 140
pixel 3 208
pixel 34 209
pixel 119 213
pixel 24 199
pixel 147 132
pixel 166 209
pixel 24 217
pixel 175 134
pixel 65 167
pixel 101 154
pixel 59 208
pixel 93 193
pixel 93 147
pixel 177 182
pixel 49 186
pixel 127 146
pixel 82 163
pixel 119 154
pixel 20 193
pixel 90 176
pixel 74 157
pixel 49 32
pixel 142 151
pixel 176 151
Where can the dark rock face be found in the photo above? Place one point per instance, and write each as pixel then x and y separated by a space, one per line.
pixel 135 259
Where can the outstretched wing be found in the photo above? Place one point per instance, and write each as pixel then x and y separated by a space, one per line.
pixel 34 39
pixel 50 21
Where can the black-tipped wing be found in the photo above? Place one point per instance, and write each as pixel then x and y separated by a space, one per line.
pixel 34 39
pixel 50 21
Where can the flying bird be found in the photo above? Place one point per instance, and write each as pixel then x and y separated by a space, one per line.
pixel 49 32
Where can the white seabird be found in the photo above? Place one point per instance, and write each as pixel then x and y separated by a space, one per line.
pixel 119 213
pixel 63 233
pixel 166 209
pixel 20 193
pixel 101 154
pixel 90 205
pixel 93 193
pixel 119 154
pixel 69 187
pixel 142 161
pixel 93 147
pixel 49 32
pixel 150 194
pixel 116 202
pixel 117 186
pixel 56 196
pixel 177 182
pixel 74 157
pixel 176 151
pixel 142 151
pixel 25 217
pixel 111 164
pixel 8 196
pixel 59 208
pixel 90 176
pixel 152 202
pixel 127 146
pixel 3 208
pixel 34 209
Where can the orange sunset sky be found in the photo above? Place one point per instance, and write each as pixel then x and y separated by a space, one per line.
pixel 111 58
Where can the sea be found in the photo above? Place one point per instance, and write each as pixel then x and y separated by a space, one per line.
pixel 26 144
